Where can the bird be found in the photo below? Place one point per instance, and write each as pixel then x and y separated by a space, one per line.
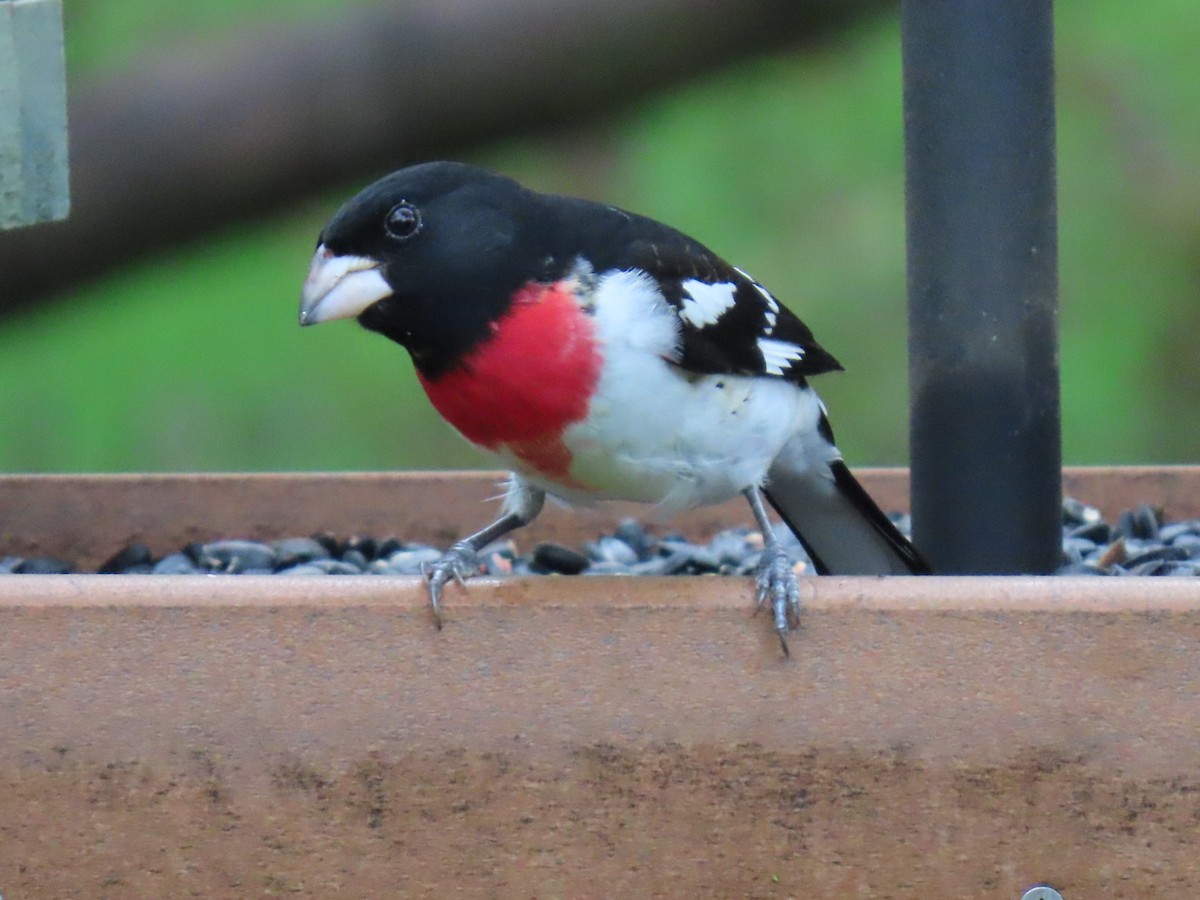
pixel 599 354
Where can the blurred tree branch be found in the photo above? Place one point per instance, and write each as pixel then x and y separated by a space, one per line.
pixel 182 144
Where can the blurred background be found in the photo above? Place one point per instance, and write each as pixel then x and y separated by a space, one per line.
pixel 156 329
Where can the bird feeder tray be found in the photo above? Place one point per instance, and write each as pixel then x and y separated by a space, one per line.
pixel 245 735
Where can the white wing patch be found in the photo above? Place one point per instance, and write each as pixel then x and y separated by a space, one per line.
pixel 778 355
pixel 704 304
pixel 771 313
pixel 772 303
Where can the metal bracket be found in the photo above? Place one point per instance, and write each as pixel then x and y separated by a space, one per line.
pixel 33 113
pixel 1041 892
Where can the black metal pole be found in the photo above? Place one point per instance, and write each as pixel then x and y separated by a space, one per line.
pixel 982 283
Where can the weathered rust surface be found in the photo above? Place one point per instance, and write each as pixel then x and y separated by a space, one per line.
pixel 242 736
pixel 89 517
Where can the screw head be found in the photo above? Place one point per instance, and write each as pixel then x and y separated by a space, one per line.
pixel 1041 892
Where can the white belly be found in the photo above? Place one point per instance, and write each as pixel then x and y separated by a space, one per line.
pixel 693 440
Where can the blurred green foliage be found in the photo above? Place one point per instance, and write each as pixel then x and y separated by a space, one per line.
pixel 791 166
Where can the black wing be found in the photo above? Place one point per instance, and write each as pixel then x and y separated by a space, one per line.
pixel 729 323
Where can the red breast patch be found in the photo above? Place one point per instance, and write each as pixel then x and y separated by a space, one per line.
pixel 524 385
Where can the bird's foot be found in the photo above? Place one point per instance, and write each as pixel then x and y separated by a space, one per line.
pixel 777 586
pixel 459 563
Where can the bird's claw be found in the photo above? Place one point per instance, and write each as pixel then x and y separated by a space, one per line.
pixel 459 563
pixel 776 585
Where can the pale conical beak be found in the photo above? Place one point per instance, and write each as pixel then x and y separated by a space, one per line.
pixel 340 287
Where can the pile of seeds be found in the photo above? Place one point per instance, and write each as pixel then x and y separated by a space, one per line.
pixel 1137 544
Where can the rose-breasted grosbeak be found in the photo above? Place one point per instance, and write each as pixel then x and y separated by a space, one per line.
pixel 600 355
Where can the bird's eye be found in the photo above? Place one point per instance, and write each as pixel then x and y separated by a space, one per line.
pixel 402 221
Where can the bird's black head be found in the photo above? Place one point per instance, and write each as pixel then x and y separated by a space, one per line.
pixel 429 256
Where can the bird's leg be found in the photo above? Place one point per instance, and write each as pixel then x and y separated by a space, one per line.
pixel 776 581
pixel 523 502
